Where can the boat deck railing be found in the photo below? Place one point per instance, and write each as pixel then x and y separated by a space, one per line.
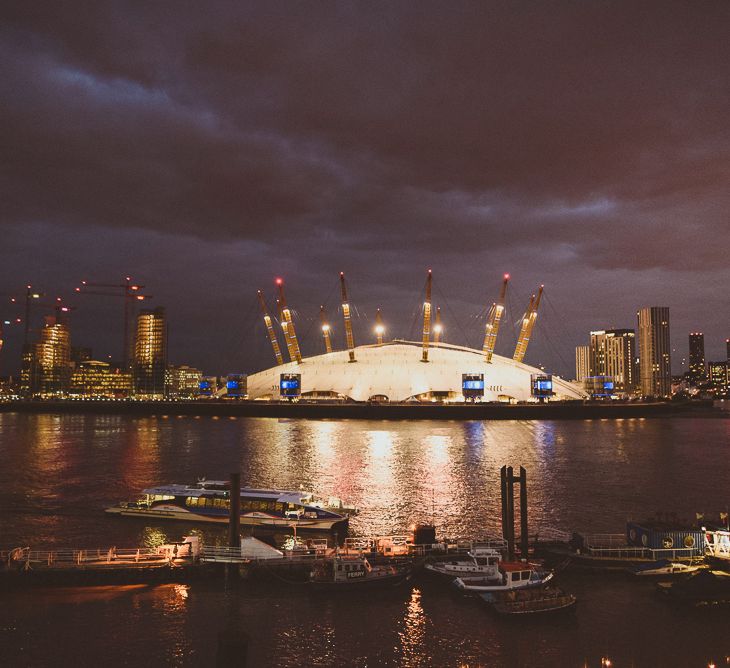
pixel 27 558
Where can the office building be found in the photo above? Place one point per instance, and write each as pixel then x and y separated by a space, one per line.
pixel 150 354
pixel 582 363
pixel 654 351
pixel 93 379
pixel 46 365
pixel 697 371
pixel 719 376
pixel 620 354
pixel 598 353
pixel 183 382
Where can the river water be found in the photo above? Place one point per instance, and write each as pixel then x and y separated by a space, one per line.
pixel 58 473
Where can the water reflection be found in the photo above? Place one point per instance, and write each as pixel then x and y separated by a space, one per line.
pixel 413 651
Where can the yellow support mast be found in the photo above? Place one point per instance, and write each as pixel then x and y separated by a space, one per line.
pixel 270 329
pixel 289 331
pixel 348 322
pixel 427 317
pixel 528 322
pixel 285 329
pixel 379 327
pixel 492 328
pixel 325 330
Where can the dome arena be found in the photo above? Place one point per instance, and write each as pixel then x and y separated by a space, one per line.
pixel 395 372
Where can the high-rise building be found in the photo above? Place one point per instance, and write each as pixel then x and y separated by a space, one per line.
pixel 598 353
pixel 620 353
pixel 582 363
pixel 655 351
pixel 697 370
pixel 150 354
pixel 727 345
pixel 46 365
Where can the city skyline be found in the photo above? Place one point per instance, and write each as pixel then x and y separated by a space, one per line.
pixel 205 153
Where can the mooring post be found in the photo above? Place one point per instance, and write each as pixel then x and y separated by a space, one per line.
pixel 234 520
pixel 503 487
pixel 525 541
pixel 510 513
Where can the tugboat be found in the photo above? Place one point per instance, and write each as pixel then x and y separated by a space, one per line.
pixel 529 601
pixel 511 576
pixel 347 573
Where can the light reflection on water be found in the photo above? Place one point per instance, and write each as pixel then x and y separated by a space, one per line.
pixel 59 472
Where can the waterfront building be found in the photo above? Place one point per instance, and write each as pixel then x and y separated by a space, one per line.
pixel 150 354
pixel 582 363
pixel 93 379
pixel 697 371
pixel 236 385
pixel 654 351
pixel 719 376
pixel 598 353
pixel 46 365
pixel 183 382
pixel 620 346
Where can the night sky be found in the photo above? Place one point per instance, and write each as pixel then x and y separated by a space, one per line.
pixel 206 148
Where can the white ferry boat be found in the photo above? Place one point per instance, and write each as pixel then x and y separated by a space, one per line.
pixel 209 501
pixel 482 561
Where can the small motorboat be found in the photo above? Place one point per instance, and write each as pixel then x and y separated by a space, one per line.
pixel 355 572
pixel 529 601
pixel 481 562
pixel 512 575
pixel 664 567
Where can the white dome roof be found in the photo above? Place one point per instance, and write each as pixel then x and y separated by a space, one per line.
pixel 395 370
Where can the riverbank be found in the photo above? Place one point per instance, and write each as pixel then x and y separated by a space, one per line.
pixel 371 411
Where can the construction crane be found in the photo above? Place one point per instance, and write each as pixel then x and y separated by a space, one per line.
pixel 288 324
pixel 379 327
pixel 437 326
pixel 348 321
pixel 493 319
pixel 270 329
pixel 131 294
pixel 325 330
pixel 427 317
pixel 528 322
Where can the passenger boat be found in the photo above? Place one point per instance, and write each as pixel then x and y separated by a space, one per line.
pixel 717 547
pixel 347 572
pixel 529 601
pixel 512 575
pixel 209 501
pixel 664 567
pixel 482 561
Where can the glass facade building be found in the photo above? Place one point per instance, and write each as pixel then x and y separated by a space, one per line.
pixel 655 351
pixel 150 354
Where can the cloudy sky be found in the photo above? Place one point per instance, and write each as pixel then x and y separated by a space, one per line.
pixel 205 149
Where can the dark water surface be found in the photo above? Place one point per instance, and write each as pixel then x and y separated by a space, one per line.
pixel 58 473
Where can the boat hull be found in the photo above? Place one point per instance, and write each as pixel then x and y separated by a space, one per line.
pixel 249 519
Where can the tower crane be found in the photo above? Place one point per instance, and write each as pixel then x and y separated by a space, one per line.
pixel 131 293
pixel 493 319
pixel 348 321
pixel 427 317
pixel 325 329
pixel 437 326
pixel 288 324
pixel 528 323
pixel 379 327
pixel 270 329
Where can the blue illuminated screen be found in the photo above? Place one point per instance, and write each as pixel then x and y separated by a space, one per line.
pixel 233 384
pixel 544 385
pixel 289 384
pixel 205 385
pixel 473 384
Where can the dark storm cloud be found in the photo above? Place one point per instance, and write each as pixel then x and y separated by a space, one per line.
pixel 558 138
